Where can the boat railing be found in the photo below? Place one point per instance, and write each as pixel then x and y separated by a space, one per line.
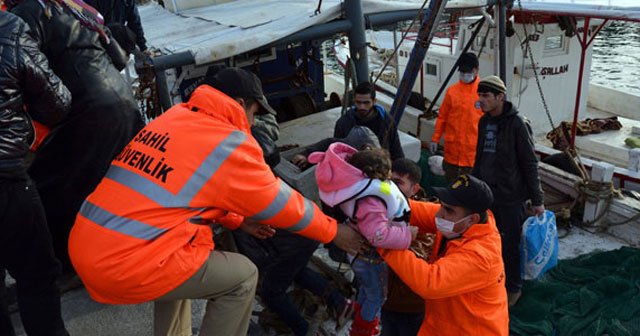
pixel 445 35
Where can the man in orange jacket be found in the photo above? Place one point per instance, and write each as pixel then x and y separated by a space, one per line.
pixel 145 233
pixel 458 120
pixel 463 281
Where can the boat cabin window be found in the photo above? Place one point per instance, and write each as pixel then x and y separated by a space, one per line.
pixel 431 68
pixel 555 45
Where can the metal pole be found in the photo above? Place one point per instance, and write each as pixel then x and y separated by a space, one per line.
pixel 395 55
pixel 163 90
pixel 502 31
pixel 357 39
pixel 583 52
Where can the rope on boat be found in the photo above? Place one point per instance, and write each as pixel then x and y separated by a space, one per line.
pixel 349 78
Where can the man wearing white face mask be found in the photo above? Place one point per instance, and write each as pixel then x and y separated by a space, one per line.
pixel 458 120
pixel 462 283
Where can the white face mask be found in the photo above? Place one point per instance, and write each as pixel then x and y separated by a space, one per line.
pixel 467 77
pixel 446 227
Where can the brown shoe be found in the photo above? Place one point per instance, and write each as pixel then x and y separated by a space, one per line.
pixel 512 298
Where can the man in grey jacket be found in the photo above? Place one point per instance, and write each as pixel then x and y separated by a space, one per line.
pixel 506 161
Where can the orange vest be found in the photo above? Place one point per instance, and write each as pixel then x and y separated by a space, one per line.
pixel 463 285
pixel 458 119
pixel 144 230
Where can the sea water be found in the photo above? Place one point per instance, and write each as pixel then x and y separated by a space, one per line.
pixel 616 57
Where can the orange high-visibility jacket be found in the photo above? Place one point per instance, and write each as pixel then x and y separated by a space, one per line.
pixel 463 285
pixel 143 231
pixel 458 119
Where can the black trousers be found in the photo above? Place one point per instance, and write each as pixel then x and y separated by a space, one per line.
pixel 282 260
pixel 72 161
pixel 26 252
pixel 509 219
pixel 6 328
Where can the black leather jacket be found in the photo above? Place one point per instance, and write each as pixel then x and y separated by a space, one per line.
pixel 122 12
pixel 78 57
pixel 26 85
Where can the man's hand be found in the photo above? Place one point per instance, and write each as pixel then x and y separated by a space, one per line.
pixel 537 209
pixel 148 52
pixel 433 147
pixel 300 161
pixel 414 232
pixel 257 230
pixel 350 240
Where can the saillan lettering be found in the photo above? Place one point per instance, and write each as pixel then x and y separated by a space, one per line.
pixel 550 71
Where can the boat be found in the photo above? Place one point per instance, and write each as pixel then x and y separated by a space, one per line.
pixel 281 41
pixel 549 49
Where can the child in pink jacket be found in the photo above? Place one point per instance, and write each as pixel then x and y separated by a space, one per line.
pixel 358 183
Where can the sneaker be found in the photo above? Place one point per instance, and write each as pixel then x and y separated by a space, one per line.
pixel 512 298
pixel 344 314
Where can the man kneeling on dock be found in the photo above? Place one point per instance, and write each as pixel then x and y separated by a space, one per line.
pixel 143 237
pixel 463 281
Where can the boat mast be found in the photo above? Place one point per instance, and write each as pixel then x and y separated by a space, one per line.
pixel 357 39
pixel 502 43
pixel 432 16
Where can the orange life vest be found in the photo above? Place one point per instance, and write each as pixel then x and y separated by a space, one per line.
pixel 140 234
pixel 458 119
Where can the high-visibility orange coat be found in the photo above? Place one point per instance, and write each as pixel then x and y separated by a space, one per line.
pixel 458 120
pixel 144 230
pixel 463 282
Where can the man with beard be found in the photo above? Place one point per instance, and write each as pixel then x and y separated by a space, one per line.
pixel 365 112
pixel 506 161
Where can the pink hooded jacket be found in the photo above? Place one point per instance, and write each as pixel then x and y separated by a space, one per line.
pixel 335 177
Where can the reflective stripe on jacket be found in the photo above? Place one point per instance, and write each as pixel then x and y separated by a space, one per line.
pixel 462 284
pixel 458 120
pixel 140 234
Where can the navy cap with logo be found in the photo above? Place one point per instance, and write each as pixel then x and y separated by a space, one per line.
pixel 468 192
pixel 236 82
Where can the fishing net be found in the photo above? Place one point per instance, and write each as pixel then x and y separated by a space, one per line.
pixel 594 294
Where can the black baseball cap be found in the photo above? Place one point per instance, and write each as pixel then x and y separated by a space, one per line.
pixel 236 82
pixel 468 192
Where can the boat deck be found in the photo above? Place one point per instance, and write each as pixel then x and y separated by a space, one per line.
pixel 608 146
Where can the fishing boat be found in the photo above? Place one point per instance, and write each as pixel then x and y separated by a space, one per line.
pixel 281 41
pixel 548 52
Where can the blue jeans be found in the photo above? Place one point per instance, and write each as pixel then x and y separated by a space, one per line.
pixel 372 290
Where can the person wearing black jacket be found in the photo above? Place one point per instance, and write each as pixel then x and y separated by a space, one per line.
pixel 122 17
pixel 29 90
pixel 506 161
pixel 103 118
pixel 367 113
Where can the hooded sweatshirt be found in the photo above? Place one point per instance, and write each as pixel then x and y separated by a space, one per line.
pixel 341 184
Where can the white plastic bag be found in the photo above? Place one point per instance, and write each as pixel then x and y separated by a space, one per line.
pixel 435 165
pixel 538 245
